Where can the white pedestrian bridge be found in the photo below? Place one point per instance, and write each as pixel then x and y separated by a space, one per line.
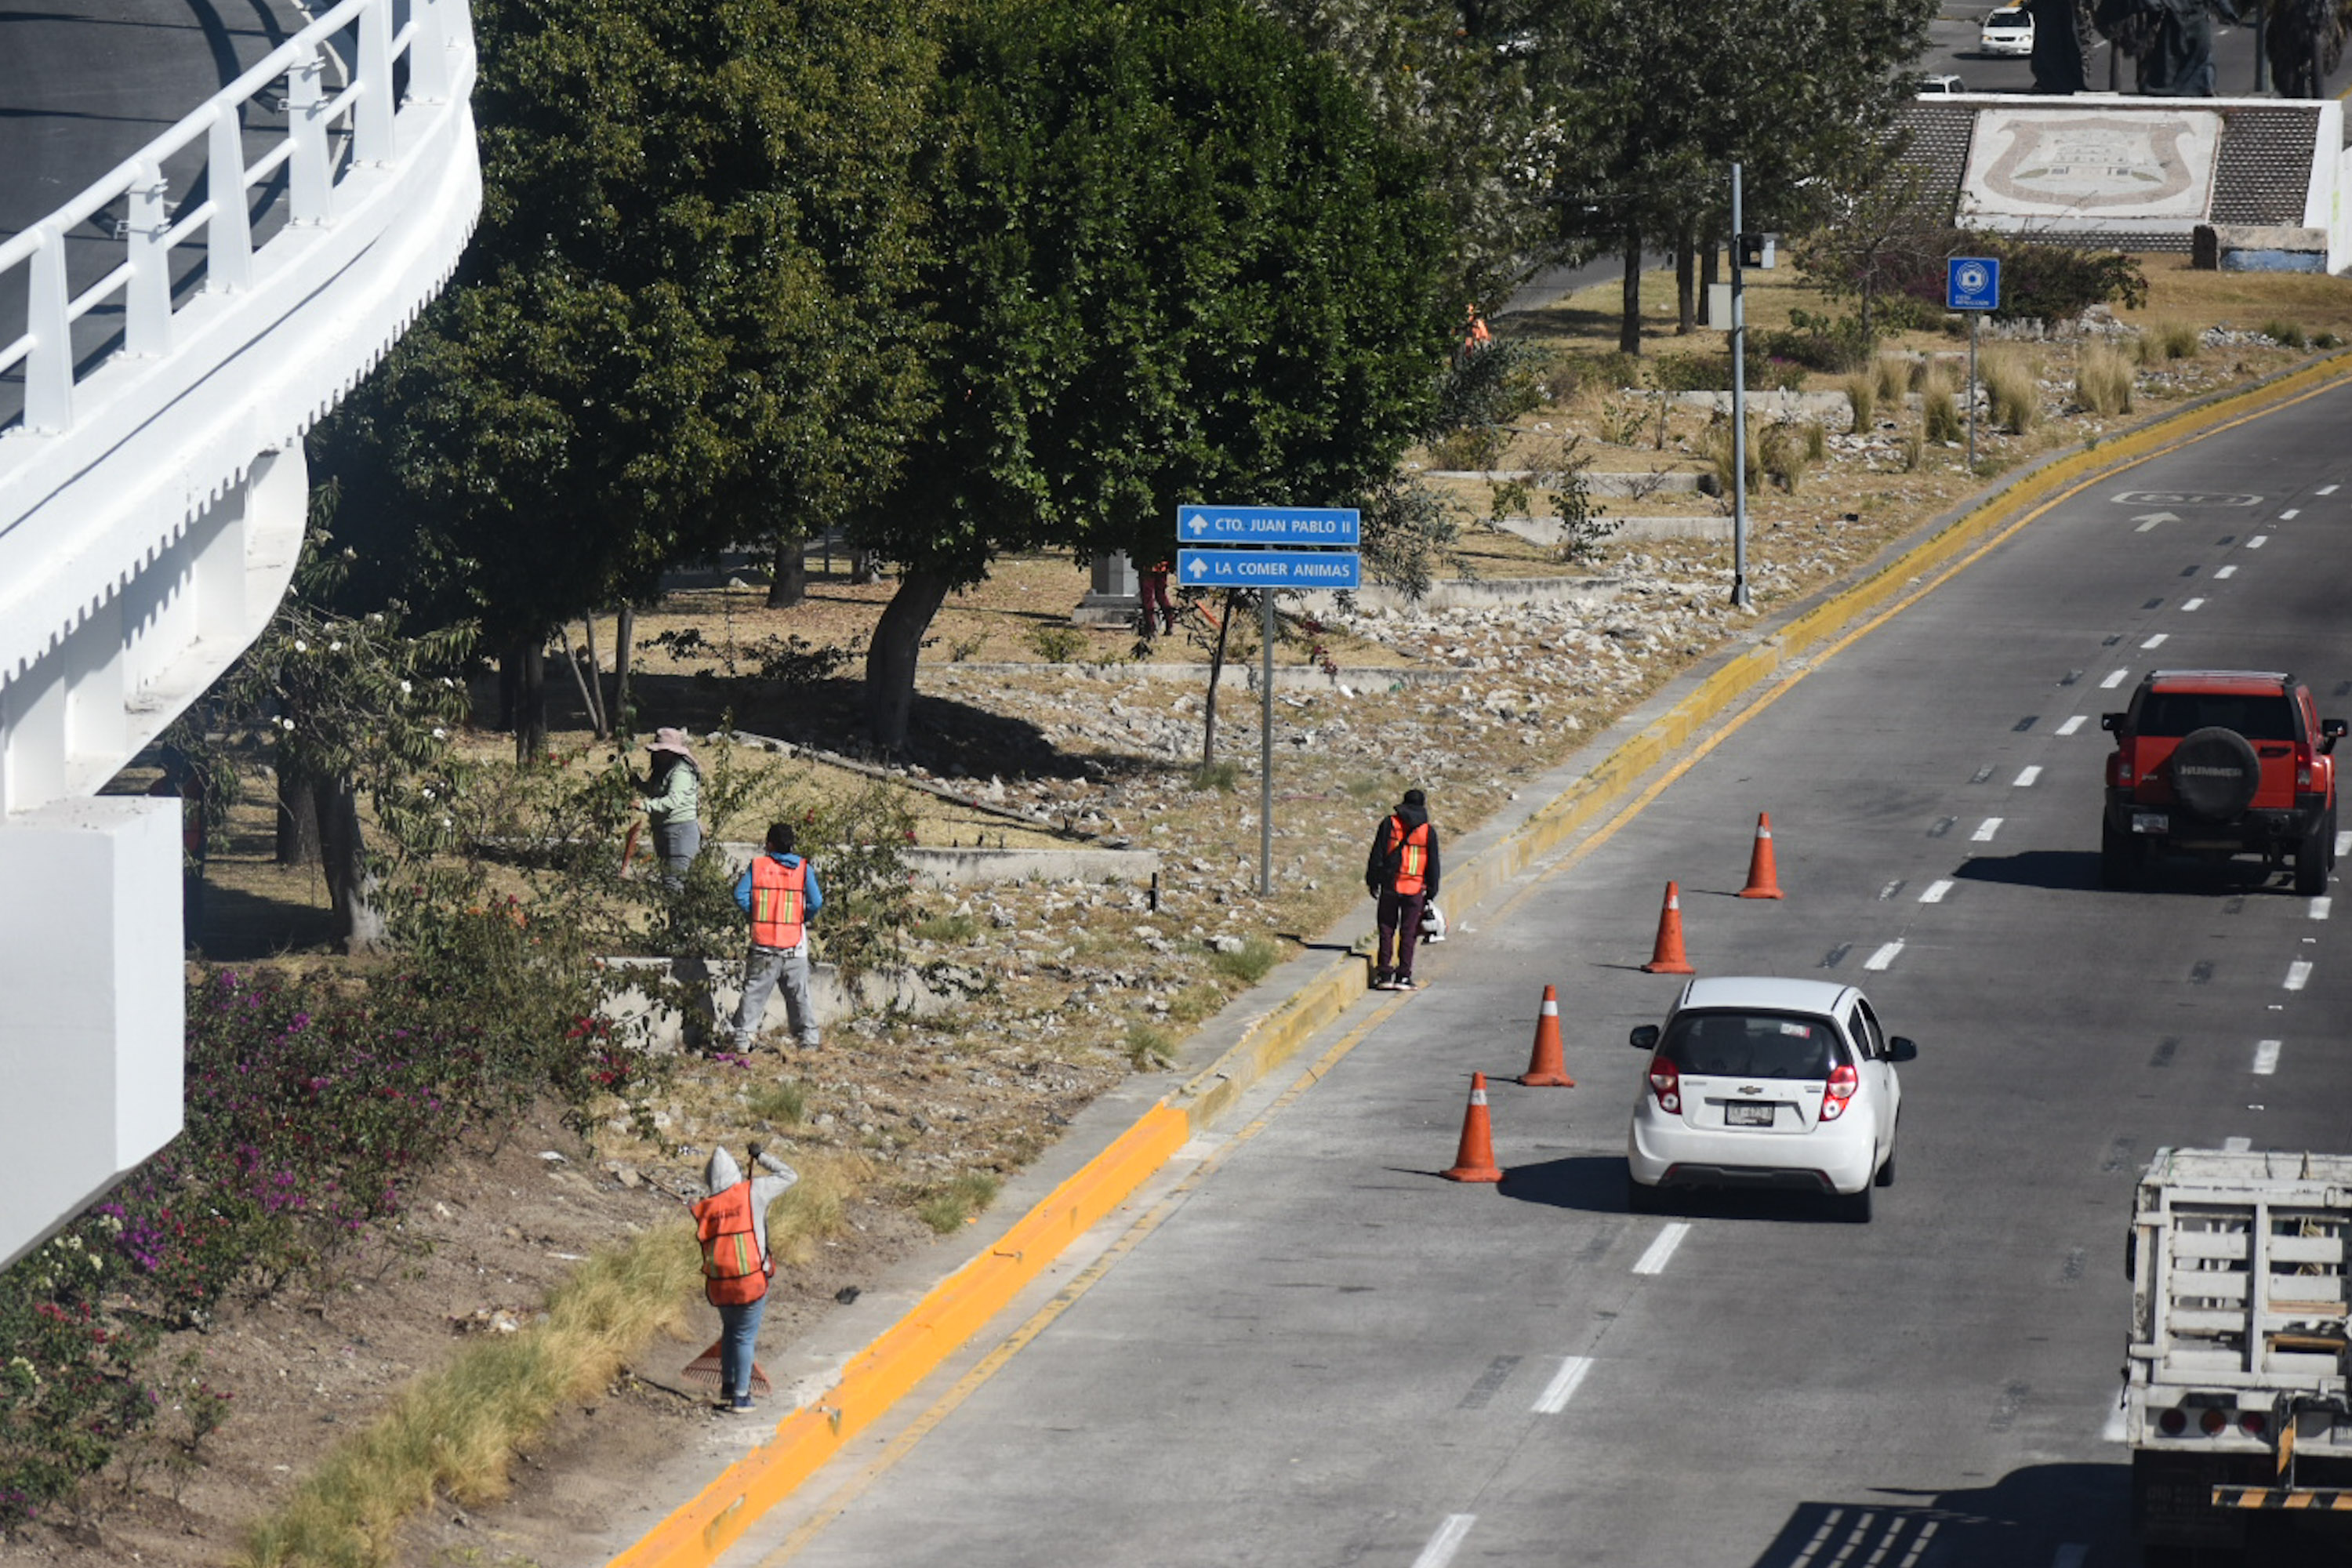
pixel 166 337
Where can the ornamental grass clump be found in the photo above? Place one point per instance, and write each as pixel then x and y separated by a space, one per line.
pixel 2012 391
pixel 1891 379
pixel 2103 380
pixel 1862 399
pixel 1939 413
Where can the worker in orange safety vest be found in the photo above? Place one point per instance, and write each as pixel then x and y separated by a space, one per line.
pixel 1402 873
pixel 778 892
pixel 732 1225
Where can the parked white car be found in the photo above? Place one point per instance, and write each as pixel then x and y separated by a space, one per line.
pixel 1760 1082
pixel 2008 31
pixel 1943 86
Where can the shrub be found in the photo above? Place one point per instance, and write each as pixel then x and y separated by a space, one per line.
pixel 2325 341
pixel 1785 453
pixel 2286 334
pixel 1891 374
pixel 2038 281
pixel 1057 644
pixel 947 931
pixel 1715 448
pixel 1473 448
pixel 1913 451
pixel 2171 340
pixel 1219 777
pixel 1494 385
pixel 2103 380
pixel 1692 373
pixel 1149 1046
pixel 777 1102
pixel 957 1200
pixel 1941 415
pixel 1249 965
pixel 1834 345
pixel 2012 394
pixel 1862 398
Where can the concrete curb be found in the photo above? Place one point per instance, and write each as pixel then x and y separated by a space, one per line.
pixel 695 1535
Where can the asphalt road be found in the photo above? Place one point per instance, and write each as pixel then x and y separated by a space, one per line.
pixel 1324 1354
pixel 1952 50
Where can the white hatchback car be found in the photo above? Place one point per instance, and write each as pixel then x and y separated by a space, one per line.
pixel 2008 31
pixel 1757 1082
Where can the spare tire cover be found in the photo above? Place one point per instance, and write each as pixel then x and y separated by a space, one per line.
pixel 2215 772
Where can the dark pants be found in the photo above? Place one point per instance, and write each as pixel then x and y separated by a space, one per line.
pixel 1399 932
pixel 738 1335
pixel 1156 603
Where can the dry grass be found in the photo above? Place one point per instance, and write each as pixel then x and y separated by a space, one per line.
pixel 2171 340
pixel 1861 400
pixel 1891 374
pixel 1939 412
pixel 2011 390
pixel 2103 380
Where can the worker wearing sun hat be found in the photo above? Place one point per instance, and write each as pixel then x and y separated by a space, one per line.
pixel 673 803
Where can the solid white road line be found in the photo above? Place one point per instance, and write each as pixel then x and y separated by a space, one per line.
pixel 2070 725
pixel 2298 973
pixel 2258 540
pixel 1935 891
pixel 1884 956
pixel 2225 571
pixel 2114 677
pixel 2266 1055
pixel 2320 906
pixel 1654 1260
pixel 2026 778
pixel 2188 604
pixel 2289 514
pixel 1446 1541
pixel 1984 830
pixel 2156 641
pixel 1562 1387
pixel 2236 1145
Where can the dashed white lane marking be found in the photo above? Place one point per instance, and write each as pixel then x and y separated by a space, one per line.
pixel 2071 1555
pixel 1984 830
pixel 2117 1428
pixel 2070 725
pixel 2298 973
pixel 2289 514
pixel 1936 891
pixel 2324 490
pixel 2320 907
pixel 1654 1261
pixel 2188 604
pixel 2225 571
pixel 1884 956
pixel 2156 641
pixel 2258 540
pixel 2343 844
pixel 2025 779
pixel 1562 1387
pixel 1446 1541
pixel 2266 1055
pixel 2114 677
pixel 2236 1145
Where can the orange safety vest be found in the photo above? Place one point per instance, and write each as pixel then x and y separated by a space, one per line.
pixel 1412 851
pixel 778 897
pixel 735 1268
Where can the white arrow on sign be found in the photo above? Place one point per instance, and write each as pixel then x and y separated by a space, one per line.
pixel 1199 568
pixel 2149 519
pixel 1194 525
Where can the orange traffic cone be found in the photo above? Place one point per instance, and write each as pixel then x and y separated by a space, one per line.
pixel 1763 875
pixel 1545 1070
pixel 1475 1160
pixel 1667 957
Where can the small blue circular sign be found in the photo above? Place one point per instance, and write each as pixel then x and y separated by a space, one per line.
pixel 1971 277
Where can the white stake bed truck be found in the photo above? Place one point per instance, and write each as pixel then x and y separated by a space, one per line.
pixel 2234 1389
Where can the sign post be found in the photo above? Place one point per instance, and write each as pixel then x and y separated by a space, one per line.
pixel 1973 283
pixel 1738 407
pixel 1259 565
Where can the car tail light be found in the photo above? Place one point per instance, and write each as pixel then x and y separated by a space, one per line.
pixel 2119 769
pixel 2173 1422
pixel 2253 1422
pixel 2302 766
pixel 1666 1083
pixel 1843 1081
pixel 2212 1423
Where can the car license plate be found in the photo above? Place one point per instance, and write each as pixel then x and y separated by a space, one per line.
pixel 1737 1115
pixel 2150 822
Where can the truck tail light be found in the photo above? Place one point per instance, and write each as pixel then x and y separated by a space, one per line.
pixel 1666 1083
pixel 2173 1422
pixel 1843 1081
pixel 2119 770
pixel 2212 1423
pixel 2253 1422
pixel 2302 766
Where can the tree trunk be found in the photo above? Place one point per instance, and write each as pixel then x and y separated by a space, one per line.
pixel 1686 259
pixel 595 678
pixel 1628 328
pixel 1707 278
pixel 580 679
pixel 789 584
pixel 529 723
pixel 891 656
pixel 298 821
pixel 624 633
pixel 358 922
pixel 864 567
pixel 1216 673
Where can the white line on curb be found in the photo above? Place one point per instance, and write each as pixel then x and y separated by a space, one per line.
pixel 1984 830
pixel 2297 974
pixel 2156 641
pixel 1936 889
pixel 1884 956
pixel 2114 677
pixel 1654 1261
pixel 1562 1387
pixel 2028 776
pixel 2266 1055
pixel 2070 725
pixel 1446 1541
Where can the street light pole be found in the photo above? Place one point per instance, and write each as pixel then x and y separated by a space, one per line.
pixel 1738 409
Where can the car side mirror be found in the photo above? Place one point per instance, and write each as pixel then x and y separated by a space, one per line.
pixel 2331 731
pixel 2111 721
pixel 1901 1048
pixel 1644 1037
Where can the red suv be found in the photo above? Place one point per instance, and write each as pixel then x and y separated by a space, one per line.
pixel 2219 763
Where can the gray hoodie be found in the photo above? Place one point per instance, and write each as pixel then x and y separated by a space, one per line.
pixel 724 1172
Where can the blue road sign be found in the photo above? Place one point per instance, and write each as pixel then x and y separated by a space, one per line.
pixel 1973 283
pixel 1269 569
pixel 1266 525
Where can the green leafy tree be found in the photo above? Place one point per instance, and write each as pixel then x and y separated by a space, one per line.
pixel 1176 259
pixel 683 324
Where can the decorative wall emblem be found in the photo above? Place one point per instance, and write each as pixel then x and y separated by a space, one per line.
pixel 2150 169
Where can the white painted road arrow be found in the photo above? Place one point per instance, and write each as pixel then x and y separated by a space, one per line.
pixel 2149 519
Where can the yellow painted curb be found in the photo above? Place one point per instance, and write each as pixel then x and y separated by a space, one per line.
pixel 695 1535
